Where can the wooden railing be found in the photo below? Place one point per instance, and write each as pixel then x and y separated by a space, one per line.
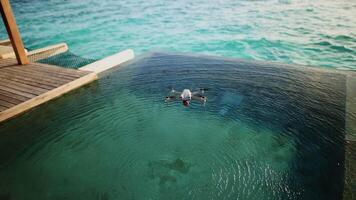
pixel 13 32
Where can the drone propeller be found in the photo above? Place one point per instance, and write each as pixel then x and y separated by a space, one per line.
pixel 171 89
pixel 202 90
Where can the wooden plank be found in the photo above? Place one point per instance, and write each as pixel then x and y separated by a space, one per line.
pixel 50 79
pixel 46 52
pixel 39 73
pixel 22 87
pixel 61 69
pixel 13 32
pixel 21 93
pixel 24 81
pixel 29 79
pixel 10 99
pixel 54 71
pixel 13 111
pixel 33 79
pixel 12 95
pixel 19 89
pixel 6 104
pixel 47 76
pixel 2 108
pixel 75 74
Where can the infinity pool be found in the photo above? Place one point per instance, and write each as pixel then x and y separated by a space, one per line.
pixel 267 131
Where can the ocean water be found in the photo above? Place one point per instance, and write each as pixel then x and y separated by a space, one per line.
pixel 318 33
pixel 267 131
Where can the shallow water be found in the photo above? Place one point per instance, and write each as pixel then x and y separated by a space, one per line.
pixel 318 33
pixel 267 131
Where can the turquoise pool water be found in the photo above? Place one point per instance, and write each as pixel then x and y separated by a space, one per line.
pixel 267 131
pixel 319 33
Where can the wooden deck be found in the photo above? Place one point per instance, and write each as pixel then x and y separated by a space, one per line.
pixel 23 87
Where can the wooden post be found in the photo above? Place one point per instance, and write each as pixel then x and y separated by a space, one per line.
pixel 13 32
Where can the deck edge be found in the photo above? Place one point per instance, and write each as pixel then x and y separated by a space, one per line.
pixel 109 62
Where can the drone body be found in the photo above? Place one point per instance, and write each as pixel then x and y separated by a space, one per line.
pixel 186 96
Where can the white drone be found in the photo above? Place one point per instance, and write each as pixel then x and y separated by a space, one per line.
pixel 186 96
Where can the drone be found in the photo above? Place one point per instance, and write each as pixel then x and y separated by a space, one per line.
pixel 186 96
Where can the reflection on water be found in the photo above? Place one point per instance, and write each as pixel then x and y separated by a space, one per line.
pixel 267 131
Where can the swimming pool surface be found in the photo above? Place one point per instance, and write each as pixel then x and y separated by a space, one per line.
pixel 267 131
pixel 317 33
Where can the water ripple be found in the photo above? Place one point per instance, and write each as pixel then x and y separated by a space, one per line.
pixel 267 131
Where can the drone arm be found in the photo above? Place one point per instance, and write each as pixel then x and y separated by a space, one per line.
pixel 168 98
pixel 172 97
pixel 199 97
